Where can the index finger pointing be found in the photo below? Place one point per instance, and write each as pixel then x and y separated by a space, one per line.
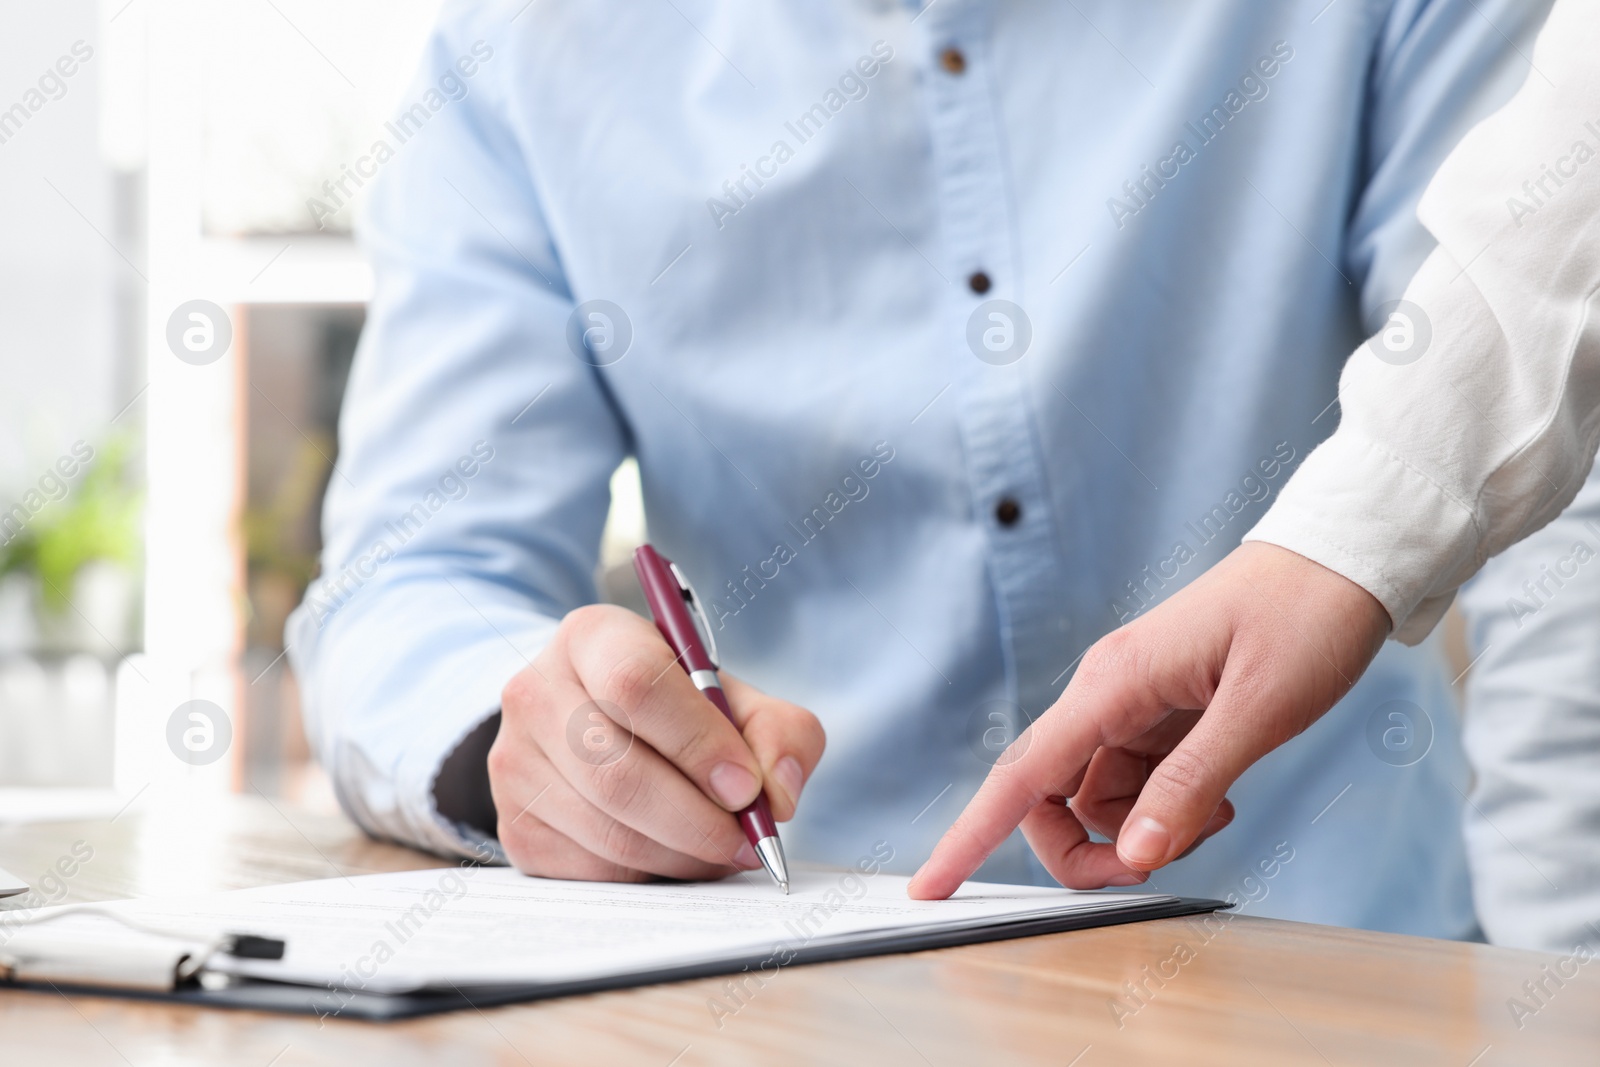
pixel 1058 749
pixel 1006 796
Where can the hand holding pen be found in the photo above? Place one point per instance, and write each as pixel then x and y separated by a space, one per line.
pixel 683 623
pixel 610 765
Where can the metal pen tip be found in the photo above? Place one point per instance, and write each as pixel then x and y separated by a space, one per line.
pixel 770 849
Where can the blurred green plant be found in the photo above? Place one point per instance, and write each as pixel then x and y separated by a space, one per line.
pixel 273 529
pixel 98 519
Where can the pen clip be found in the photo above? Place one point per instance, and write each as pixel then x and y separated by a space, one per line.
pixel 702 625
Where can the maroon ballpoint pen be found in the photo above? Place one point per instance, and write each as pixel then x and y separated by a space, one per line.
pixel 671 599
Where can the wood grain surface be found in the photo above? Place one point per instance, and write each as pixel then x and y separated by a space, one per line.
pixel 1177 991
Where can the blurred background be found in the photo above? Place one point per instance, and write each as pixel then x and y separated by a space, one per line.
pixel 178 313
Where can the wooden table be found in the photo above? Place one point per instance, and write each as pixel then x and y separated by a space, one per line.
pixel 1256 991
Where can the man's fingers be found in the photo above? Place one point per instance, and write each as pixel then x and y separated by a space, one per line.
pixel 1116 776
pixel 557 805
pixel 540 850
pixel 617 773
pixel 623 845
pixel 787 741
pixel 1223 644
pixel 1005 797
pixel 642 790
pixel 1054 751
pixel 653 766
pixel 1110 787
pixel 621 660
pixel 1187 789
pixel 1214 825
pixel 633 768
pixel 1062 844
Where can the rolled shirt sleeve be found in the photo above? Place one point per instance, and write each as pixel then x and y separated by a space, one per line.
pixel 1472 418
pixel 464 514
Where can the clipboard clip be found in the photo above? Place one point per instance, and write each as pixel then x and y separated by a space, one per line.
pixel 133 957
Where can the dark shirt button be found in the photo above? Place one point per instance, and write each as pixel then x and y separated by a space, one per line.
pixel 1008 512
pixel 953 61
pixel 979 282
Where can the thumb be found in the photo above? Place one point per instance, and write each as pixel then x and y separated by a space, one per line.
pixel 1187 789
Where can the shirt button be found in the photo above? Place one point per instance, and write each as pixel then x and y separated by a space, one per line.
pixel 1008 512
pixel 953 61
pixel 978 282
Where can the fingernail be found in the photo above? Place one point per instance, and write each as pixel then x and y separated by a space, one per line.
pixel 1122 880
pixel 1144 841
pixel 746 857
pixel 734 786
pixel 789 776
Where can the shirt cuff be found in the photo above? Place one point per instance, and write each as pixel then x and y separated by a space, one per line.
pixel 384 739
pixel 1362 512
pixel 477 676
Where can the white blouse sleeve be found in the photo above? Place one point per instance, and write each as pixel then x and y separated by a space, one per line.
pixel 1472 418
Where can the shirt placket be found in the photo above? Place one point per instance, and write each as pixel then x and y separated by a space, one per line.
pixel 1005 468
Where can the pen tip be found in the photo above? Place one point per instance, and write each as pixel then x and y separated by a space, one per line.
pixel 770 849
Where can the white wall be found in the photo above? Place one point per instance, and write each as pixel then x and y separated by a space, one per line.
pixel 59 374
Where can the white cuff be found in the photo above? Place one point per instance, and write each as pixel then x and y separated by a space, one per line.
pixel 1332 513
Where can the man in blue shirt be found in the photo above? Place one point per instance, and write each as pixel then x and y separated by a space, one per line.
pixel 947 339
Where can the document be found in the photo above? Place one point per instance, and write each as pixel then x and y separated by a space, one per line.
pixel 462 929
pixel 493 926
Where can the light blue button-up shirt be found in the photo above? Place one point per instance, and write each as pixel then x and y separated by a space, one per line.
pixel 938 365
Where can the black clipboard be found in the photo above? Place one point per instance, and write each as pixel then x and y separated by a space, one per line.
pixel 250 994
